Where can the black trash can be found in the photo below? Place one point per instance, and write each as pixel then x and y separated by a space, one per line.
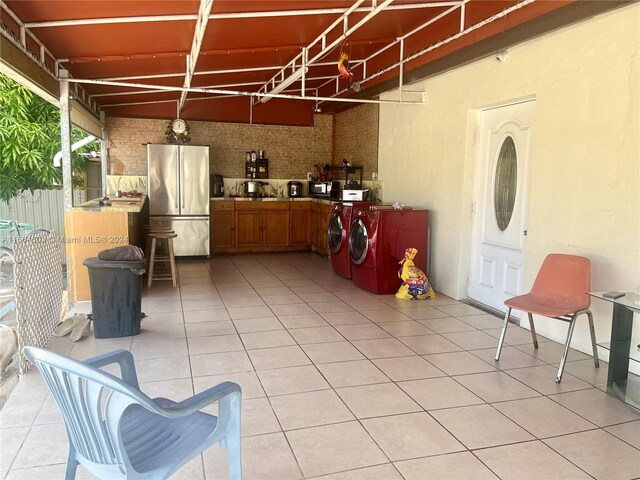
pixel 116 296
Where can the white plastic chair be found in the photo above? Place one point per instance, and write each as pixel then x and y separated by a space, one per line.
pixel 117 432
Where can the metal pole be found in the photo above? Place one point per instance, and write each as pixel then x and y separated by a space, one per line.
pixel 104 166
pixel 401 76
pixel 65 137
pixel 67 174
pixel 305 58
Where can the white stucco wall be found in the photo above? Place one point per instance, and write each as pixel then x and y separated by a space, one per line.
pixel 585 186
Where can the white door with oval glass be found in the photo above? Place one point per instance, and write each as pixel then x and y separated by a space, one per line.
pixel 500 219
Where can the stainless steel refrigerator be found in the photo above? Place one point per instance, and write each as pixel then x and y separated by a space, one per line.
pixel 178 183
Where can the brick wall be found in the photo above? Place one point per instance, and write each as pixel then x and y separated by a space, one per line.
pixel 292 151
pixel 356 138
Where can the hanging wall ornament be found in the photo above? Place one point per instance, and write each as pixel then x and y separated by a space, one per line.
pixel 343 64
pixel 178 132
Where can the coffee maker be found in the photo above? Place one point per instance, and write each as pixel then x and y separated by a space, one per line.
pixel 294 189
pixel 216 186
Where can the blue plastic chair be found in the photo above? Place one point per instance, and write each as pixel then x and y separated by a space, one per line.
pixel 115 431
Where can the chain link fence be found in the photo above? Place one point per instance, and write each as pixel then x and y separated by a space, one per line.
pixel 39 288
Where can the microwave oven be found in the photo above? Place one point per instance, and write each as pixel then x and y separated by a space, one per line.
pixel 324 189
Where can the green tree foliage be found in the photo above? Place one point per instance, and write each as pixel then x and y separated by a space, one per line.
pixel 29 139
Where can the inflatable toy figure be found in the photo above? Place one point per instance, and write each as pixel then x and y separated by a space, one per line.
pixel 415 285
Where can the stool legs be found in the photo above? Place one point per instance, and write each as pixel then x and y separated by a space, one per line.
pixel 172 262
pixel 167 256
pixel 155 228
pixel 152 262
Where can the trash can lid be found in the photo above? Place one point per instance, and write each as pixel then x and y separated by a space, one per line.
pixel 95 262
pixel 123 253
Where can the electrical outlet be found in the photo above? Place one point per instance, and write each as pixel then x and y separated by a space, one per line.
pixel 308 175
pixel 374 176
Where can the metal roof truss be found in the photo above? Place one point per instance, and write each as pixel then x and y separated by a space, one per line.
pixel 281 84
pixel 43 57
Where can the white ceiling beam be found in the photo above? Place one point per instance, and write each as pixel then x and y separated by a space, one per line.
pixel 126 104
pixel 112 20
pixel 214 91
pixel 204 72
pixel 213 72
pixel 130 92
pixel 222 16
pixel 225 85
pixel 192 58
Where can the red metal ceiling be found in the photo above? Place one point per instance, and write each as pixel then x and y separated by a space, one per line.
pixel 49 10
pixel 110 50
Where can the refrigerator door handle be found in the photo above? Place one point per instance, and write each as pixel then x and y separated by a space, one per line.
pixel 178 184
pixel 181 156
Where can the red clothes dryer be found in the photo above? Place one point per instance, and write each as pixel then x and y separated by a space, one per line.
pixel 377 241
pixel 339 225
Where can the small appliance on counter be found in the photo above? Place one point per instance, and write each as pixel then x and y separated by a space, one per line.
pixel 252 188
pixel 216 186
pixel 294 189
pixel 324 189
pixel 351 195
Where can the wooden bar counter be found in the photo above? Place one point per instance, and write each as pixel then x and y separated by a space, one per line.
pixel 90 229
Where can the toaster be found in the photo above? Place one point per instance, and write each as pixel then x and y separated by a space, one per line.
pixel 355 195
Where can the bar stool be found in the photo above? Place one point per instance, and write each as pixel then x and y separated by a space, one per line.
pixel 154 228
pixel 167 238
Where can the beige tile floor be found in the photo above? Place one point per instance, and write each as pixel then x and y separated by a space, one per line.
pixel 341 384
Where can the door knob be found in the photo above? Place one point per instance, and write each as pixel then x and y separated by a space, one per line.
pixel 525 233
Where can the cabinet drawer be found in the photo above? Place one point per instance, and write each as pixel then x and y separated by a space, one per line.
pixel 224 205
pixel 302 205
pixel 259 205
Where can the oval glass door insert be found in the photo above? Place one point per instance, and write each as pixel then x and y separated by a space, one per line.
pixel 506 182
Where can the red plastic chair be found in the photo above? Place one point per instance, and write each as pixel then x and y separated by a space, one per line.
pixel 560 292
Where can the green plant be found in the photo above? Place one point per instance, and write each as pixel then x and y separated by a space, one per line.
pixel 29 139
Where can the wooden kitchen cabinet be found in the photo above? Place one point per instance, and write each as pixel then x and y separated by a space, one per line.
pixel 262 224
pixel 239 226
pixel 319 225
pixel 222 225
pixel 248 229
pixel 300 223
pixel 275 229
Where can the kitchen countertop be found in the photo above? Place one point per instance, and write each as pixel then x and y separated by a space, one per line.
pixel 124 205
pixel 274 199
